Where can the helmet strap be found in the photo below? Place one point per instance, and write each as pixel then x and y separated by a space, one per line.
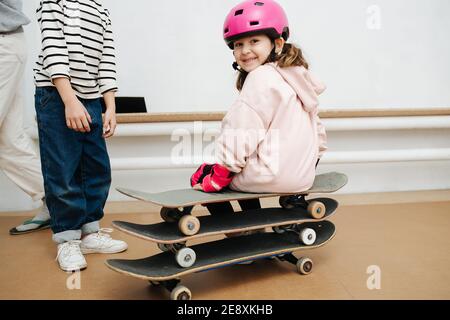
pixel 236 67
pixel 272 56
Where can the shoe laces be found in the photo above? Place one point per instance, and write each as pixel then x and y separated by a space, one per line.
pixel 69 248
pixel 103 234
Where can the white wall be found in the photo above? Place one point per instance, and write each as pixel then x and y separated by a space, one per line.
pixel 369 53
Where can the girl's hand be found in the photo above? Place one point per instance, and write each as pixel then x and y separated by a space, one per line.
pixel 211 178
pixel 109 123
pixel 200 174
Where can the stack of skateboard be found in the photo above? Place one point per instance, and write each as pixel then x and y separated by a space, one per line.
pixel 297 224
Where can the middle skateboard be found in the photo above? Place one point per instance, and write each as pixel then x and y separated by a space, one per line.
pixel 169 233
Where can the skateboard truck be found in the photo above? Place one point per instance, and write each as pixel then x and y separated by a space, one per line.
pixel 177 291
pixel 304 264
pixel 184 256
pixel 187 223
pixel 315 208
pixel 307 236
pixel 174 214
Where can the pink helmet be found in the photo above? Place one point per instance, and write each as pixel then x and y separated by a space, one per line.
pixel 252 17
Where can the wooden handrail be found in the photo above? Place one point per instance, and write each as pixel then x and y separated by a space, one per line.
pixel 383 112
pixel 324 113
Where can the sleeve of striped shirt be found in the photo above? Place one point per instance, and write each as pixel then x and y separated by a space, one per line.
pixel 107 69
pixel 54 47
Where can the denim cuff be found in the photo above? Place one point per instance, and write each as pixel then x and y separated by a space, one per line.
pixel 90 227
pixel 65 236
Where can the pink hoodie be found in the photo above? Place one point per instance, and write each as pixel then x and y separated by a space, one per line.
pixel 272 136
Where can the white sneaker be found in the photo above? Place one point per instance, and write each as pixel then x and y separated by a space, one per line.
pixel 101 242
pixel 70 257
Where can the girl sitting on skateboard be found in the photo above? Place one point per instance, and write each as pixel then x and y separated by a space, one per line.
pixel 271 138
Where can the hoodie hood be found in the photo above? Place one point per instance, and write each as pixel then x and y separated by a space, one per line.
pixel 305 85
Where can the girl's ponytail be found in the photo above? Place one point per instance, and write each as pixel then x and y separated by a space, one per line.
pixel 291 56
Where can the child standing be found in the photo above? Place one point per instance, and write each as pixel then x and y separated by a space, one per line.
pixel 271 138
pixel 74 69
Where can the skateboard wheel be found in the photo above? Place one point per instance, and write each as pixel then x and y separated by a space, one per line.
pixel 308 236
pixel 304 265
pixel 170 214
pixel 185 257
pixel 285 203
pixel 181 293
pixel 189 225
pixel 316 209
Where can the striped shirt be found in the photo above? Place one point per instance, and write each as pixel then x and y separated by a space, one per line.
pixel 77 43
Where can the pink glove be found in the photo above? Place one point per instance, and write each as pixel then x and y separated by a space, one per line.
pixel 201 173
pixel 219 178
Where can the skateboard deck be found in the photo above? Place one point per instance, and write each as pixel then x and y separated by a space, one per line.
pixel 221 253
pixel 323 183
pixel 212 225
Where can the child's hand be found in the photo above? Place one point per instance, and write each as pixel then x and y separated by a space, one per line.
pixel 109 123
pixel 199 175
pixel 213 178
pixel 77 117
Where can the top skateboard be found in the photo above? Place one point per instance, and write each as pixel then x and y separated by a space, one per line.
pixel 323 183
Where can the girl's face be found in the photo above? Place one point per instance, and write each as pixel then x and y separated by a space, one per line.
pixel 251 52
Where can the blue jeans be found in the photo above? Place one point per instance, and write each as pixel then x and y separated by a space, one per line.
pixel 75 166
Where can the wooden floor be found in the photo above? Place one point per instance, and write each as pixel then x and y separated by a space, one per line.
pixel 408 241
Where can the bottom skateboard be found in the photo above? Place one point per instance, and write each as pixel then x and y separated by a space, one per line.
pixel 162 269
pixel 169 238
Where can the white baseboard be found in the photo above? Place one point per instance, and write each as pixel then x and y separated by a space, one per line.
pixel 394 157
